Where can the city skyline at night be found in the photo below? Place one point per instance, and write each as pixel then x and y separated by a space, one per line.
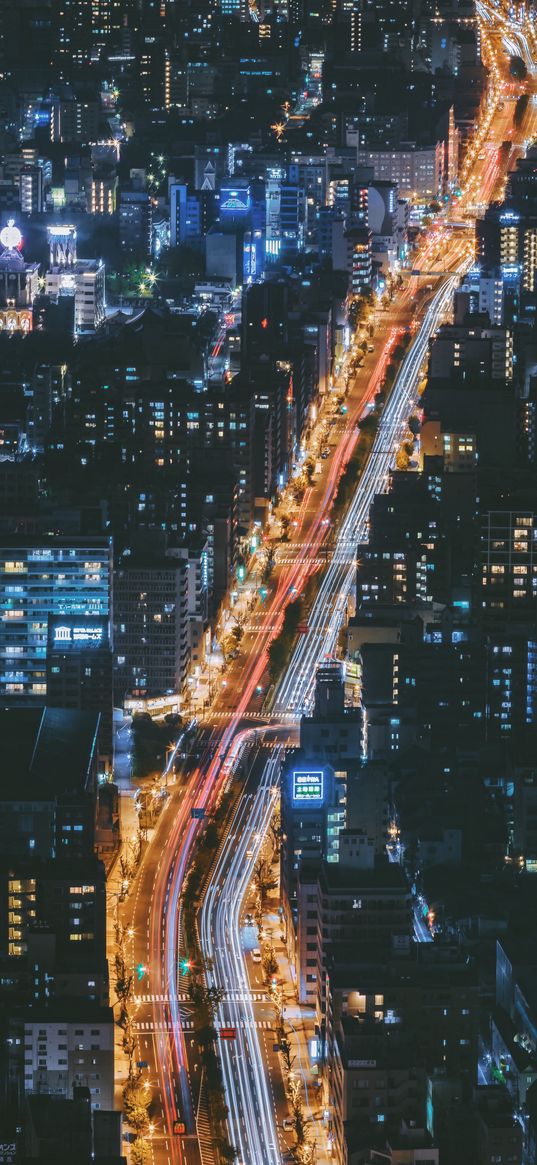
pixel 268 586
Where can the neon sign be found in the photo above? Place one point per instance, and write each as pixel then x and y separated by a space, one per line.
pixel 308 785
pixel 71 633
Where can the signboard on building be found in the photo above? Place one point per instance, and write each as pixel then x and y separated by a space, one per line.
pixel 76 634
pixel 308 785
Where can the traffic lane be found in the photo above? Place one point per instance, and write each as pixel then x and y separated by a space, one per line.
pixel 246 1085
pixel 144 910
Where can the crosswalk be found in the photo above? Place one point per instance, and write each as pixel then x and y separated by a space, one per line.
pixel 148 1026
pixel 259 716
pixel 183 997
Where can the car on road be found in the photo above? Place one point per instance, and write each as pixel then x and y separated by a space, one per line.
pixel 256 955
pixel 288 1124
pixel 370 348
pixel 248 920
pixel 325 454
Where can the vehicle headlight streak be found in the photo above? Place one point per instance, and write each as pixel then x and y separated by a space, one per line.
pixel 328 609
pixel 251 1114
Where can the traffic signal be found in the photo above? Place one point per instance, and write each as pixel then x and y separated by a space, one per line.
pixel 141 971
pixel 185 966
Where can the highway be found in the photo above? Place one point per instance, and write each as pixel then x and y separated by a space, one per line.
pixel 153 911
pixel 328 611
pixel 252 1119
pixel 250 1102
pixel 251 1110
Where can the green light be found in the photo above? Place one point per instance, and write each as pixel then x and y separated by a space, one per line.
pixel 185 966
pixel 140 971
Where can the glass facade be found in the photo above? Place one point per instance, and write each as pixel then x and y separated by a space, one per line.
pixel 64 576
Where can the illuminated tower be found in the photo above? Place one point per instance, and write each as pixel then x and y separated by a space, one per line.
pixel 18 282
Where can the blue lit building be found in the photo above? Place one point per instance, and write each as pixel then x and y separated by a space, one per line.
pixel 42 577
pixel 188 215
pixel 312 813
pixel 285 217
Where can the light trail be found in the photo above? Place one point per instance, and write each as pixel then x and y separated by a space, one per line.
pixel 328 609
pixel 251 1114
pixel 208 781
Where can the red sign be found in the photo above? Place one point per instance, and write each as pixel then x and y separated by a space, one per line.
pixel 228 1033
pixel 178 1128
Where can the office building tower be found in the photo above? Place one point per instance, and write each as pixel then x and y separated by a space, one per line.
pixel 358 901
pixel 151 632
pixel 509 564
pixel 135 223
pixel 42 578
pixel 51 811
pixel 53 926
pixel 31 189
pixel 81 279
pixel 79 672
pixel 313 814
pixel 66 1045
pixel 82 29
pixel 73 120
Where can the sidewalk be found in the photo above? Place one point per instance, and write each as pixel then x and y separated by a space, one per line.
pixel 129 828
pixel 301 1021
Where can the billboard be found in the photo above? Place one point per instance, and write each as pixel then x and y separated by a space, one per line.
pixel 76 633
pixel 308 785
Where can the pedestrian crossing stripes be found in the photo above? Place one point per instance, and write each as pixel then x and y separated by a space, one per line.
pixel 183 997
pixel 259 716
pixel 147 1026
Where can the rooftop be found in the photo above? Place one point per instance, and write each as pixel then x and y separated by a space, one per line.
pixel 45 751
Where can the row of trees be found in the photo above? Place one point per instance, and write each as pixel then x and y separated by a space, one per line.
pixel 129 863
pixel 136 1093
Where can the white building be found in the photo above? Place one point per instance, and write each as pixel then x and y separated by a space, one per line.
pixel 86 280
pixel 416 172
pixel 61 1051
pixel 90 303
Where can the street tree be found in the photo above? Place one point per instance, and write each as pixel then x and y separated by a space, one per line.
pixel 270 962
pixel 140 1151
pixel 268 562
pixel 285 1049
pixel 238 629
pixel 263 879
pixel 135 1105
pixel 285 523
pixel 275 829
pixel 123 979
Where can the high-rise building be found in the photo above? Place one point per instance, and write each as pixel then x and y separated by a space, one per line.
pixel 42 577
pixel 51 810
pixel 82 29
pixel 79 672
pixel 509 564
pixel 83 279
pixel 31 189
pixel 135 223
pixel 151 632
